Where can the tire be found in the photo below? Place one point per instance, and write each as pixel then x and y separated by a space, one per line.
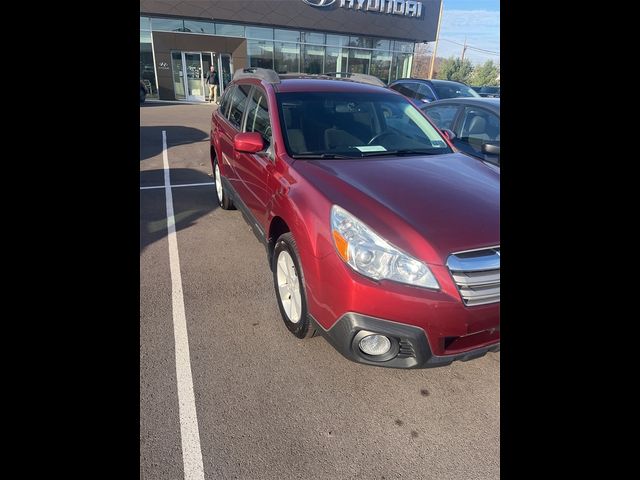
pixel 290 282
pixel 143 96
pixel 223 198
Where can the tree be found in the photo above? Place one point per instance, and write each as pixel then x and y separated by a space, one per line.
pixel 486 74
pixel 455 69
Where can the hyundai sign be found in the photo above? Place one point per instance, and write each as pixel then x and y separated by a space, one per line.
pixel 408 8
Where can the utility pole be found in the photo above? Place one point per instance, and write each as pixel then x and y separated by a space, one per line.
pixel 435 49
pixel 464 48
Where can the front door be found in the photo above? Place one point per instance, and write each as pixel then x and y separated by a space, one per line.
pixel 194 76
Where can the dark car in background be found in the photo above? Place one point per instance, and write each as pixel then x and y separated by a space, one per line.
pixel 424 91
pixel 474 122
pixel 486 91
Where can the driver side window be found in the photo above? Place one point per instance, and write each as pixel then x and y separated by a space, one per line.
pixel 258 116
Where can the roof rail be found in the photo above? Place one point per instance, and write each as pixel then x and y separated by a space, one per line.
pixel 265 74
pixel 358 77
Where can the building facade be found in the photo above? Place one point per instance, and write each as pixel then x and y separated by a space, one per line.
pixel 179 41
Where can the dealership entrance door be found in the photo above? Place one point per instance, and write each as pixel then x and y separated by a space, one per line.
pixel 189 70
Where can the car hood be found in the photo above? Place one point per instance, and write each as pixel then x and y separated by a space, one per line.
pixel 452 201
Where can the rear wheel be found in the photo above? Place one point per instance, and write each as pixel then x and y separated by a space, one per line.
pixel 289 284
pixel 223 199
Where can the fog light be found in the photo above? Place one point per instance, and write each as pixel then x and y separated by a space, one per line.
pixel 375 345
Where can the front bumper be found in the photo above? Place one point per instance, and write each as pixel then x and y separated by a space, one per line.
pixel 410 343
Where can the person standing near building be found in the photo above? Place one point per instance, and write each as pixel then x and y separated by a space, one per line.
pixel 212 82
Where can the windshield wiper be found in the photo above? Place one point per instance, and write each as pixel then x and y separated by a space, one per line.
pixel 405 151
pixel 321 156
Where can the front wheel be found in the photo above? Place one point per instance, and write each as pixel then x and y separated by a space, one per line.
pixel 223 199
pixel 289 284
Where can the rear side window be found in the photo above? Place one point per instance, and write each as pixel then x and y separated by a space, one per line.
pixel 226 101
pixel 238 104
pixel 258 115
pixel 442 115
pixel 409 90
pixel 425 93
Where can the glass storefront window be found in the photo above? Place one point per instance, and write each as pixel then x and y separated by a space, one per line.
pixel 145 37
pixel 401 66
pixel 178 75
pixel 167 25
pixel 380 65
pixel 260 53
pixel 145 23
pixel 405 47
pixel 337 40
pixel 359 60
pixel 379 44
pixel 229 30
pixel 311 37
pixel 312 58
pixel 286 35
pixel 147 72
pixel 335 59
pixel 259 33
pixel 199 27
pixel 362 42
pixel 287 57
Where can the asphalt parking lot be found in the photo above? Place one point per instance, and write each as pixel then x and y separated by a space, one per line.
pixel 268 405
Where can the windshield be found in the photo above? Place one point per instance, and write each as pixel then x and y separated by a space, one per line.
pixel 352 125
pixel 453 90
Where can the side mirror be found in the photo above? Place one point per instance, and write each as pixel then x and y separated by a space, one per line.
pixel 449 134
pixel 491 149
pixel 248 142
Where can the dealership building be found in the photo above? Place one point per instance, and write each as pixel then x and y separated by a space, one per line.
pixel 180 40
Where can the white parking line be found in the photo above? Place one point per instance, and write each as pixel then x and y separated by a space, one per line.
pixel 189 433
pixel 178 186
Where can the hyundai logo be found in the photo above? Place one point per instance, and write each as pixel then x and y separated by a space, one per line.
pixel 319 3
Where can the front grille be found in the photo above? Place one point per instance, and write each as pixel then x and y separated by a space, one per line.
pixel 477 275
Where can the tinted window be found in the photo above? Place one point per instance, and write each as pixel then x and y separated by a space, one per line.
pixel 442 115
pixel 453 90
pixel 355 125
pixel 409 90
pixel 238 103
pixel 226 100
pixel 258 115
pixel 425 93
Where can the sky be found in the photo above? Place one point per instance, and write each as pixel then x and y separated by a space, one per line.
pixel 479 21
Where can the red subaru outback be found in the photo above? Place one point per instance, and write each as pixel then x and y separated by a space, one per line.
pixel 380 237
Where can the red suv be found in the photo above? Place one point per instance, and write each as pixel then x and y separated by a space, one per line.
pixel 380 237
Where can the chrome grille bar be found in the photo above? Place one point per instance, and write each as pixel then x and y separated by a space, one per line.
pixel 477 275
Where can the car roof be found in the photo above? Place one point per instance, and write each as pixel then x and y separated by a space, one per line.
pixel 492 104
pixel 311 83
pixel 433 81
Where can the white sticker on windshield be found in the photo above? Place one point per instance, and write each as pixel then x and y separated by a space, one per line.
pixel 372 148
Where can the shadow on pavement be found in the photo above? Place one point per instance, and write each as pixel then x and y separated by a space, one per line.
pixel 189 203
pixel 151 138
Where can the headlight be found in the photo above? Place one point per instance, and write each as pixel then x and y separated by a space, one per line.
pixel 372 256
